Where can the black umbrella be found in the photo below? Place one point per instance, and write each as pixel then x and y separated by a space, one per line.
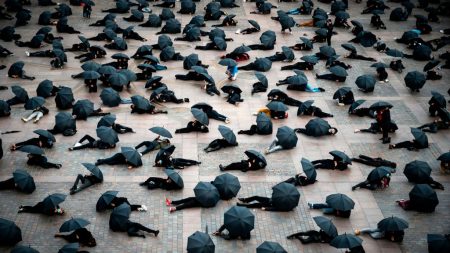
pixel 131 76
pixel 317 127
pixel 118 80
pixel 153 80
pixel 445 157
pixel 430 65
pixel 422 52
pixel 338 71
pixel 394 52
pixel 23 249
pixel 288 53
pixel 326 225
pixel 308 43
pixel 104 200
pixel 346 241
pixel 415 80
pixel 200 116
pixel 227 134
pixel 310 59
pixel 309 169
pixel 239 221
pixel 18 66
pixel 340 202
pixel 175 177
pixel 141 103
pixel 200 242
pixel 254 24
pixel 439 98
pixel 10 233
pixel 120 43
pixel 24 182
pixel 392 224
pixel 253 154
pixel 190 61
pixel 378 173
pixel 356 23
pixel 423 197
pixel 228 62
pixel 366 82
pixel 220 43
pixel 132 156
pixel 91 75
pixel 380 105
pixel 341 156
pixel 161 131
pixel 64 97
pixel 146 67
pixel 322 32
pixel 20 93
pixel 367 39
pixel 270 247
pixel 379 65
pixel 355 105
pixel 417 171
pixel 110 97
pixel 52 201
pixel 286 137
pixel 277 106
pixel 45 88
pixel 73 224
pixel 199 69
pixel 164 152
pixel 267 39
pixel 94 170
pixel 45 133
pixel 263 123
pixel 419 136
pixel 285 197
pixel 120 217
pixel 83 108
pixel 31 149
pixel 108 135
pixel 34 103
pixel 107 70
pixel 299 80
pixel 107 120
pixel 304 107
pixel 349 47
pixel 63 121
pixel 327 51
pixel 438 243
pixel 207 194
pixel 231 88
pixel 342 92
pixel 227 185
pixel 70 248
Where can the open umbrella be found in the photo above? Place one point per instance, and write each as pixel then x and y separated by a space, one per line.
pixel 64 98
pixel 379 65
pixel 380 105
pixel 349 47
pixel 107 134
pixel 107 120
pixel 308 43
pixel 200 116
pixel 130 75
pixel 241 49
pixel 438 243
pixel 220 43
pixel 228 62
pixel 190 61
pixel 417 171
pixel 63 121
pixel 231 88
pixel 52 201
pixel 31 149
pixel 310 59
pixel 70 248
pixel 110 97
pixel 94 170
pixel 132 156
pixel 24 182
pixel 20 93
pixel 141 103
pixel 445 157
pixel 341 156
pixel 355 105
pixel 45 88
pixel 207 194
pixel 263 64
pixel 367 39
pixel 45 133
pixel 10 233
pixel 34 103
pixel 73 224
pixel 322 32
pixel 227 185
pixel 91 75
pixel 327 51
pixel 340 202
pixel 430 65
pixel 23 249
pixel 304 107
pixel 107 70
pixel 285 197
pixel 227 134
pixel 309 169
pixel 239 221
pixel 270 247
pixel 104 200
pixel 326 225
pixel 439 98
pixel 419 136
pixel 262 79
pixel 286 137
pixel 346 241
pixel 415 80
pixel 342 92
pixel 277 106
pixel 338 71
pixel 253 154
pixel 83 108
pixel 394 52
pixel 288 53
pixel 392 224
pixel 175 177
pixel 378 173
pixel 366 82
pixel 423 197
pixel 254 24
pixel 317 127
pixel 263 123
pixel 118 80
pixel 161 131
pixel 200 242
pixel 119 217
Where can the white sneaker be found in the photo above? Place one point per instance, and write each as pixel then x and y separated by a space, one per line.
pixel 27 53
pixel 386 81
pixel 238 31
pixel 357 131
pixel 341 104
pixel 441 31
pixel 77 144
pixel 255 113
pixel 24 120
pixel 227 120
pixel 144 208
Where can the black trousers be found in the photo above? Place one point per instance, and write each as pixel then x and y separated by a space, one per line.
pixel 8 184
pixel 375 162
pixel 121 129
pixel 216 145
pixel 260 47
pixel 260 202
pixel 90 143
pixel 250 66
pixel 181 162
pixel 117 158
pixel 258 87
pixel 155 183
pixel 324 164
pixel 213 114
pixel 277 57
pixel 186 203
pixel 38 208
pixel 149 146
pixel 298 65
pixel 361 57
pixel 311 236
pixel 366 185
pixel 133 228
pixel 407 145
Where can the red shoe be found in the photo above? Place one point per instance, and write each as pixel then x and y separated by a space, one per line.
pixel 168 202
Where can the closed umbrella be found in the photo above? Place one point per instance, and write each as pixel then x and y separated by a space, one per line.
pixel 10 233
pixel 317 127
pixel 263 123
pixel 420 137
pixel 417 171
pixel 253 154
pixel 285 197
pixel 83 108
pixel 104 200
pixel 63 121
pixel 73 224
pixel 161 131
pixel 23 249
pixel 423 197
pixel 34 103
pixel 94 170
pixel 286 137
pixel 338 71
pixel 392 224
pixel 309 169
pixel 439 98
pixel 326 225
pixel 132 156
pixel 227 185
pixel 227 134
pixel 270 247
pixel 107 134
pixel 175 177
pixel 200 242
pixel 119 217
pixel 355 105
pixel 200 116
pixel 70 248
pixel 340 202
pixel 341 156
pixel 110 97
pixel 415 80
pixel 107 120
pixel 378 173
pixel 346 241
pixel 366 82
pixel 277 106
pixel 24 181
pixel 438 243
pixel 52 201
pixel 31 149
pixel 207 194
pixel 45 88
pixel 239 221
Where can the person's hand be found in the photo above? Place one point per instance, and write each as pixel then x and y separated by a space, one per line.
pixel 263 208
pixel 216 233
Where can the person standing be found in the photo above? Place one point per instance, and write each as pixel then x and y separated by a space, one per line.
pixel 384 121
pixel 329 27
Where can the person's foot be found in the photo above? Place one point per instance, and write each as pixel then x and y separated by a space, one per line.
pixel 186 100
pixel 172 209
pixel 399 200
pixel 24 120
pixel 290 237
pixel 242 200
pixel 221 167
pixel 321 89
pixel 35 121
pixel 168 202
pixel 77 144
pixel 266 151
pixel 227 120
pixel 198 163
pixel 27 53
pixel 310 205
pixel 58 166
pixel 143 208
pixel 156 233
pixel 238 31
pixel 387 140
pixel 70 149
pixel 143 184
pixel 353 188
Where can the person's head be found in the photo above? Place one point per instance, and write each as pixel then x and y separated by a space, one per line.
pixel 59 211
pixel 332 130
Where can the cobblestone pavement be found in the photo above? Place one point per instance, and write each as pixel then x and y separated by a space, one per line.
pixel 410 110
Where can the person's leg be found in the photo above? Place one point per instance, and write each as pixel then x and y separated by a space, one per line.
pixel 330 77
pixel 83 186
pixel 250 66
pixel 242 166
pixel 135 227
pixel 187 129
pixel 274 149
pixel 213 114
pixel 155 182
pixel 375 233
pixel 213 146
pixel 360 185
pixel 8 184
pixel 263 200
pixel 251 131
pixel 117 158
pixel 49 165
pixel 184 162
pixel 77 181
pixel 318 205
pixel 188 203
pixel 403 144
pixel 321 114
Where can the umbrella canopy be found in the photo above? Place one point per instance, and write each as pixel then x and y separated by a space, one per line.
pixel 439 98
pixel 355 105
pixel 64 97
pixel 83 108
pixel 378 173
pixel 277 106
pixel 380 105
pixel 73 224
pixel 45 88
pixel 340 202
pixel 263 64
pixel 24 182
pixel 31 149
pixel 267 39
pixel 366 82
pixel 107 70
pixel 286 137
pixel 132 156
pixel 321 32
pixel 110 97
pixel 20 93
pixel 239 221
pixel 70 248
pixel 326 225
pixel 349 47
pixel 342 92
pixel 417 171
pixel 379 65
pixel 107 120
pixel 228 62
pixel 153 81
pixel 341 156
pixel 161 131
pixel 241 49
pixel 23 249
pixel 438 243
pixel 392 224
pixel 430 65
pixel 262 79
pixel 309 169
pixel 34 103
pixel 119 217
pixel 118 80
pixel 260 159
pixel 200 242
pixel 52 201
pixel 200 116
pixel 310 59
pixel 220 43
pixel 304 107
pixel 346 241
pixel 104 200
pixel 285 197
pixel 231 88
pixel 270 247
pixel 327 51
pixel 288 53
pixel 227 134
pixel 64 120
pixel 91 75
pixel 175 177
pixel 141 103
pixel 317 127
pixel 367 39
pixel 45 133
pixel 190 61
pixel 207 194
pixel 445 157
pixel 227 185
pixel 254 24
pixel 338 71
pixel 10 233
pixel 107 134
pixel 415 80
pixel 420 137
pixel 94 170
pixel 394 52
pixel 130 75
pixel 120 43
pixel 423 197
pixel 263 123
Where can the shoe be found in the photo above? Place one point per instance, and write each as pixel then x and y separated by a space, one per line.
pixel 242 200
pixel 168 202
pixel 27 53
pixel 238 31
pixel 266 151
pixel 58 166
pixel 70 149
pixel 290 237
pixel 391 146
pixel 198 163
pixel 77 145
pixel 186 100
pixel 143 184
pixel 156 233
pixel 227 121
pixel 357 131
pixel 221 167
pixel 310 205
pixel 24 120
pixel 353 188
pixel 144 207
pixel 172 209
pixel 387 140
pixel 35 121
pixel 140 209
